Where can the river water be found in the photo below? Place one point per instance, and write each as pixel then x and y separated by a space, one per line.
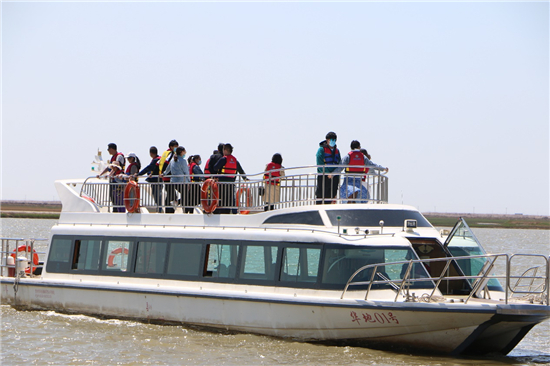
pixel 49 338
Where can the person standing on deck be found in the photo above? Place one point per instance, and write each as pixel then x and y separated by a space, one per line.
pixel 115 189
pixel 179 169
pixel 327 182
pixel 228 165
pixel 163 164
pixel 153 171
pixel 352 186
pixel 272 181
pixel 133 167
pixel 195 172
pixel 211 163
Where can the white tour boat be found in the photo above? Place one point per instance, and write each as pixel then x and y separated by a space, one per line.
pixel 353 270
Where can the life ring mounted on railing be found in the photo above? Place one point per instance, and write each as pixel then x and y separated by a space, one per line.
pixel 131 197
pixel 27 248
pixel 210 194
pixel 111 259
pixel 248 196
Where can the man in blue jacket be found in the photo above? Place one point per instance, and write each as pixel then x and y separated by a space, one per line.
pixel 327 182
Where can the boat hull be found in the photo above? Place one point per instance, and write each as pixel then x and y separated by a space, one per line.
pixel 437 327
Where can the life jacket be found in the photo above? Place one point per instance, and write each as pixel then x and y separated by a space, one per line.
pixel 332 156
pixel 191 166
pixel 129 167
pixel 230 167
pixel 113 159
pixel 267 176
pixel 206 170
pixel 357 158
pixel 165 164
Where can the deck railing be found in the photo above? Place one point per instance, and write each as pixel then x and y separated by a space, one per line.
pixel 23 251
pixel 525 283
pixel 300 186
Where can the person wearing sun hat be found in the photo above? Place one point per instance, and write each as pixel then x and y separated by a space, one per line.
pixel 132 169
pixel 134 166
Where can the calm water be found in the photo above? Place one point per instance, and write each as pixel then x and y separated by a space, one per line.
pixel 45 337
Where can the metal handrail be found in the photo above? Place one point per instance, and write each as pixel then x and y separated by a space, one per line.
pixel 296 188
pixel 481 280
pixel 5 252
pixel 533 269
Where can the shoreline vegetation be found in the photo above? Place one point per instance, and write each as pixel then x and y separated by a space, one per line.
pixel 52 209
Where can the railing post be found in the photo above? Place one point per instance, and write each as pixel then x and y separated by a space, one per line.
pixel 508 264
pixel 4 258
pixel 31 262
pixel 479 281
pixel 441 277
pixel 405 278
pixel 370 282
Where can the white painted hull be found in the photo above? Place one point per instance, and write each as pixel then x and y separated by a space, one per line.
pixel 426 326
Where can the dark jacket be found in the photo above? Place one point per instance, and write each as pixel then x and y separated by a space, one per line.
pixel 152 168
pixel 212 162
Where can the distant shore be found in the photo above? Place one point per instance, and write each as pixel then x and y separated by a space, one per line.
pixel 490 220
pixel 52 209
pixel 30 209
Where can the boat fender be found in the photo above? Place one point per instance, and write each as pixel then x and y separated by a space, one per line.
pixel 131 197
pixel 247 196
pixel 111 259
pixel 27 248
pixel 210 195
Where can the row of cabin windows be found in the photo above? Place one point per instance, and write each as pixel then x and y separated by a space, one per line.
pixel 304 265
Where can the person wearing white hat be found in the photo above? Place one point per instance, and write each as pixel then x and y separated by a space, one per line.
pixel 133 168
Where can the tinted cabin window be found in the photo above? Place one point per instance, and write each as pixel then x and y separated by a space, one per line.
pixel 116 258
pixel 259 262
pixel 300 264
pixel 60 255
pixel 150 258
pixel 372 217
pixel 299 218
pixel 340 264
pixel 221 260
pixel 86 255
pixel 184 259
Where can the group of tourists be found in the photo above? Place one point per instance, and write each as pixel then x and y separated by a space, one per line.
pixel 330 164
pixel 172 166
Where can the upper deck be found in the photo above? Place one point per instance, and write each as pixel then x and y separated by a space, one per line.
pixel 249 194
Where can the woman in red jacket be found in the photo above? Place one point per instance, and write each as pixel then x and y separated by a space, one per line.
pixel 272 181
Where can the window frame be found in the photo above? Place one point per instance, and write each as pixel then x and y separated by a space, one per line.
pixel 61 265
pixel 74 259
pixel 165 261
pixel 302 284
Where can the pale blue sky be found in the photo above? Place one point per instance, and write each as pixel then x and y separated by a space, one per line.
pixel 452 97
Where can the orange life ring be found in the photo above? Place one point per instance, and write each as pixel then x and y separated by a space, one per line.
pixel 248 196
pixel 111 259
pixel 210 195
pixel 27 248
pixel 131 197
